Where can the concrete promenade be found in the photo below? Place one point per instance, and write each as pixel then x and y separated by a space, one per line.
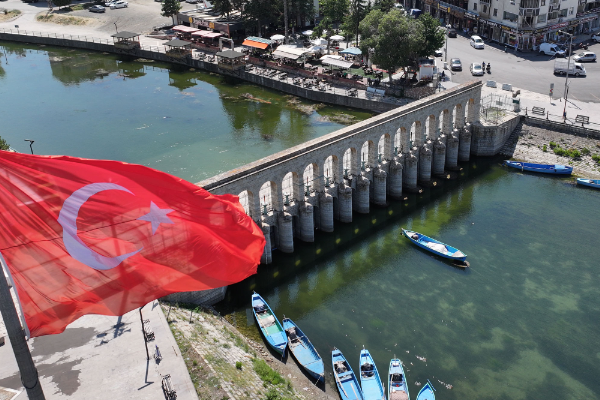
pixel 102 357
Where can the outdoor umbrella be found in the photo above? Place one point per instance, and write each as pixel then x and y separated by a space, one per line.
pixel 277 37
pixel 319 42
pixel 315 49
pixel 307 33
pixel 355 51
pixel 337 37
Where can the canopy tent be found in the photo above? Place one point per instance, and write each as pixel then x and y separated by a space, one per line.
pixel 355 51
pixel 256 42
pixel 184 29
pixel 337 63
pixel 291 52
pixel 178 43
pixel 207 34
pixel 230 54
pixel 332 56
pixel 307 33
pixel 315 49
pixel 319 41
pixel 125 35
pixel 337 37
pixel 277 37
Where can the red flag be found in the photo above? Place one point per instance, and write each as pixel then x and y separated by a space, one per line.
pixel 104 237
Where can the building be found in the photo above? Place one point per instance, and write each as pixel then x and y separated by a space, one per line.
pixel 525 23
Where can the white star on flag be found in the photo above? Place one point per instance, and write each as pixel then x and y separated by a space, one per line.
pixel 157 216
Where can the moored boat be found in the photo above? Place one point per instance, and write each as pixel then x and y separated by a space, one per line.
pixel 435 246
pixel 269 324
pixel 427 392
pixel 370 380
pixel 344 377
pixel 594 183
pixel 556 169
pixel 397 387
pixel 303 350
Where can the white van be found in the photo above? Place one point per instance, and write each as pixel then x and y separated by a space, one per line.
pixel 551 49
pixel 562 67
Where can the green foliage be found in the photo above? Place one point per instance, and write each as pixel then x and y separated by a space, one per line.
pixel 431 37
pixel 223 7
pixel 553 145
pixel 170 8
pixel 571 153
pixel 585 151
pixel 3 144
pixel 545 148
pixel 596 158
pixel 266 373
pixel 61 3
pixel 238 365
pixel 383 5
pixel 358 11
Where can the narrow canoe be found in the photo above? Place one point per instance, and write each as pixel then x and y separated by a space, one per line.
pixel 397 387
pixel 344 377
pixel 427 392
pixel 595 183
pixel 434 246
pixel 269 324
pixel 370 381
pixel 304 351
pixel 555 169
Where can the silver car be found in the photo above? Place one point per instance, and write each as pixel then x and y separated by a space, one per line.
pixel 476 42
pixel 586 56
pixel 476 69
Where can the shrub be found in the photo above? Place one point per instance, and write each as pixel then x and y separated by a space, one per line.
pixel 559 151
pixel 545 148
pixel 238 365
pixel 3 144
pixel 573 153
pixel 585 151
pixel 596 158
pixel 553 145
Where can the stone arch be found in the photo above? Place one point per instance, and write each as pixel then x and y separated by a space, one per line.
pixel 384 147
pixel 459 116
pixel 330 168
pixel 349 162
pixel 290 188
pixel 310 178
pixel 246 199
pixel 268 197
pixel 367 154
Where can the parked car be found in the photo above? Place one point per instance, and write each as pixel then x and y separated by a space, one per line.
pixel 192 1
pixel 551 49
pixel 455 64
pixel 476 42
pixel 439 53
pixel 562 67
pixel 451 32
pixel 596 37
pixel 118 4
pixel 97 9
pixel 109 2
pixel 586 56
pixel 476 69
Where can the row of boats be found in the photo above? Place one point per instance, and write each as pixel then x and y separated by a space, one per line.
pixel 554 169
pixel 289 336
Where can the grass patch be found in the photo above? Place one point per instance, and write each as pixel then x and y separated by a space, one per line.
pixel 266 373
pixel 585 151
pixel 553 145
pixel 62 20
pixel 5 15
pixel 545 148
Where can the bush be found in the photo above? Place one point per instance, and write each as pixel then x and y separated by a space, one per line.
pixel 553 145
pixel 596 158
pixel 3 144
pixel 238 365
pixel 573 153
pixel 585 151
pixel 545 148
pixel 558 151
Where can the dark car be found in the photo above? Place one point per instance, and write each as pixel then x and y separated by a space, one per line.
pixel 451 32
pixel 455 64
pixel 97 9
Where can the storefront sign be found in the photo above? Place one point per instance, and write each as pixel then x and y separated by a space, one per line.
pixel 456 13
pixel 445 9
pixel 558 26
pixel 471 15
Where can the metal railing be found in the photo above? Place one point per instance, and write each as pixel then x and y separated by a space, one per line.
pixel 571 120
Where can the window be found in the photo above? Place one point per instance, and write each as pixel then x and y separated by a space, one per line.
pixel 571 10
pixel 510 16
pixel 543 2
pixel 562 13
pixel 542 18
pixel 484 9
pixel 495 12
pixel 474 6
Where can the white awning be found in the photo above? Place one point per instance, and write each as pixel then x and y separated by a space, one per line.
pixel 281 53
pixel 337 63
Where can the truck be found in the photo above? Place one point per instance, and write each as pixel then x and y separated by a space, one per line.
pixel 570 67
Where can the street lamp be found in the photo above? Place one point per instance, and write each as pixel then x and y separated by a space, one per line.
pixel 30 144
pixel 567 74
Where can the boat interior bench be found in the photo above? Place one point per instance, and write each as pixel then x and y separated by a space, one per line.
pixel 168 388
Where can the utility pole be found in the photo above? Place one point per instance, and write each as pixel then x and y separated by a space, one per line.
pixel 567 74
pixel 29 374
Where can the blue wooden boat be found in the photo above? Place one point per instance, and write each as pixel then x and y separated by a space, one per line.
pixel 344 377
pixel 594 183
pixel 434 246
pixel 555 169
pixel 304 351
pixel 269 324
pixel 397 387
pixel 427 392
pixel 370 381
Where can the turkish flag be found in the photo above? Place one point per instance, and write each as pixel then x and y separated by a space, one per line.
pixel 105 237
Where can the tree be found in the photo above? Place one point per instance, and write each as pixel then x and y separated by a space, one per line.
pixel 430 35
pixel 333 12
pixel 383 5
pixel 3 144
pixel 358 11
pixel 170 8
pixel 223 7
pixel 61 3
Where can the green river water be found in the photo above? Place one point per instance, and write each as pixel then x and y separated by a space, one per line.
pixel 521 323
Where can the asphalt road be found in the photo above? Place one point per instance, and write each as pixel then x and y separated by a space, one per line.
pixel 525 70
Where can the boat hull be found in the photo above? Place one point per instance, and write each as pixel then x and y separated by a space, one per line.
pixel 303 350
pixel 593 183
pixel 370 381
pixel 427 392
pixel 553 169
pixel 422 241
pixel 345 379
pixel 397 386
pixel 269 325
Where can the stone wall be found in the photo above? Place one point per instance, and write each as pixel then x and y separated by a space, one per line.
pixel 487 140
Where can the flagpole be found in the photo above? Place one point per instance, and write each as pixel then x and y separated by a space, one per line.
pixel 16 335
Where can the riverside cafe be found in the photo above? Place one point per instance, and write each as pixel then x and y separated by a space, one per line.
pixel 197 36
pixel 258 46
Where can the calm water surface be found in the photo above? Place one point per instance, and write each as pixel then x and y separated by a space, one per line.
pixel 521 323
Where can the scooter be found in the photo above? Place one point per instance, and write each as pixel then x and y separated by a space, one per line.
pixel 488 68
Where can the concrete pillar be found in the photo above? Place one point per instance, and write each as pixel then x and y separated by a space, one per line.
pixel 419 135
pixel 425 158
pixel 326 210
pixel 286 233
pixel 345 202
pixel 307 222
pixel 446 122
pixel 409 176
pixel 464 146
pixel 439 157
pixel 395 178
pixel 361 195
pixel 379 187
pixel 452 150
pixel 267 257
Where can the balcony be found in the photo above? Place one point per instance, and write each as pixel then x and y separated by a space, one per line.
pixel 529 12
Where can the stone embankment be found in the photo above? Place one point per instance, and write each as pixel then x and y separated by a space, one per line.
pixel 223 363
pixel 532 143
